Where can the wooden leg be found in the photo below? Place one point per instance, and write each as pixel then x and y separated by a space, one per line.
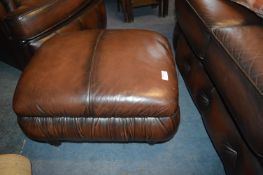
pixel 55 143
pixel 151 143
pixel 129 11
pixel 119 5
pixel 160 4
pixel 165 7
pixel 123 5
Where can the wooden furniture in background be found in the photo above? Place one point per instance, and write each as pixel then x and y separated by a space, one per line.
pixel 127 7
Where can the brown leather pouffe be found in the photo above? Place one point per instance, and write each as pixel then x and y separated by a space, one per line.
pixel 100 85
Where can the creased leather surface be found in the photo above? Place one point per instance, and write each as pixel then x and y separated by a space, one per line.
pixel 241 97
pixel 42 15
pixel 244 45
pixel 226 40
pixel 32 22
pixel 100 74
pixel 255 5
pixel 93 18
pixel 197 17
pixel 142 129
pixel 221 13
pixel 226 137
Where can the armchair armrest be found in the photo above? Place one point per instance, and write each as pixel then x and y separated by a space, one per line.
pixel 33 18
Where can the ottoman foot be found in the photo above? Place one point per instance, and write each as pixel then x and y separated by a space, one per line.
pixel 55 143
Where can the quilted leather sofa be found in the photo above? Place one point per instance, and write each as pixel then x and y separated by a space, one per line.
pixel 26 24
pixel 219 52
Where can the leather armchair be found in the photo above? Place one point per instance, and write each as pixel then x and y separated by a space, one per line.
pixel 26 24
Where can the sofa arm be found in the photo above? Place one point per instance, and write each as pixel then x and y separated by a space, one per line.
pixel 32 18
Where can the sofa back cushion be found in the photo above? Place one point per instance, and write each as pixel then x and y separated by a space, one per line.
pixel 254 5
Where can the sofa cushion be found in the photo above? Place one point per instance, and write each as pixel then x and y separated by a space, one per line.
pixel 197 17
pixel 254 5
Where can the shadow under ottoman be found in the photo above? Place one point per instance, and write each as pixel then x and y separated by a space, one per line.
pixel 100 85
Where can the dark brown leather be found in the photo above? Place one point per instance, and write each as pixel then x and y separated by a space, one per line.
pixel 221 60
pixel 42 14
pixel 2 11
pixel 89 19
pixel 242 67
pixel 232 149
pixel 244 46
pixel 203 15
pixel 31 23
pixel 100 85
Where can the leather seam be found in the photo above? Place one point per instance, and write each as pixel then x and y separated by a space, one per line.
pixel 175 115
pixel 88 98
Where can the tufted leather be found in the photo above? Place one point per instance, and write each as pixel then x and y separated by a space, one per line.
pixel 219 54
pixel 89 19
pixel 242 65
pixel 233 151
pixel 100 85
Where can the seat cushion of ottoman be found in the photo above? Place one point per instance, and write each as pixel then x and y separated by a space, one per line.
pixel 100 85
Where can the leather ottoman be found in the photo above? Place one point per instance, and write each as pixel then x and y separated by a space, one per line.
pixel 102 86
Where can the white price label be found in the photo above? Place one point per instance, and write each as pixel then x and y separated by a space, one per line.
pixel 164 75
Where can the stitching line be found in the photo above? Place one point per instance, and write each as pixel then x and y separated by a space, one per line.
pixel 90 111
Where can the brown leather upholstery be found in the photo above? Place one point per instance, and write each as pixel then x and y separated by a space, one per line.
pixel 27 24
pixel 205 15
pixel 221 60
pixel 232 149
pixel 243 64
pixel 100 85
pixel 243 45
pixel 38 14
